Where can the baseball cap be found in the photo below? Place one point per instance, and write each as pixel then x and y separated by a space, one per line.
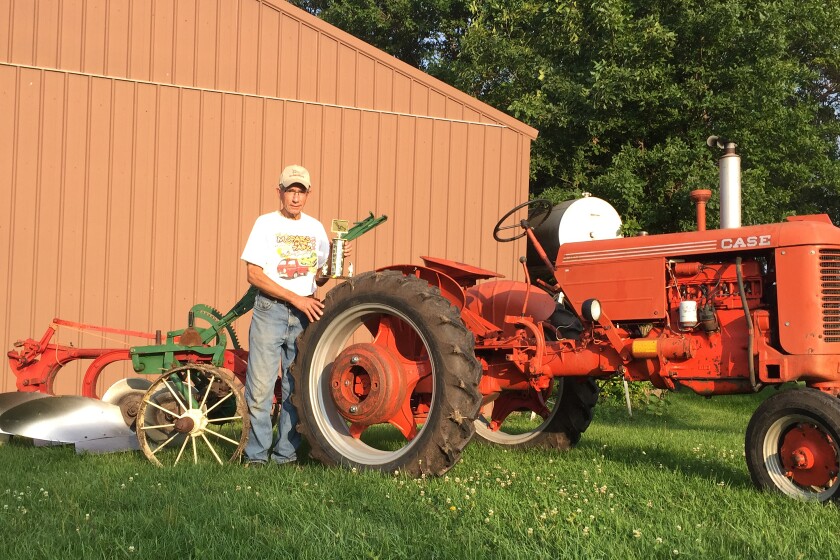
pixel 295 175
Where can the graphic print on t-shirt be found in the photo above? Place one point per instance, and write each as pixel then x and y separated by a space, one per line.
pixel 298 255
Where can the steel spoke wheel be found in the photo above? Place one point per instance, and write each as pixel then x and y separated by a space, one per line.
pixel 193 414
pixel 387 378
pixel 554 418
pixel 538 211
pixel 793 445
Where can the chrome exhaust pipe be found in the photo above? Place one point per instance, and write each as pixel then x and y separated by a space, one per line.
pixel 729 166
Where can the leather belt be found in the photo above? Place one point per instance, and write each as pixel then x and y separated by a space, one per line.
pixel 276 299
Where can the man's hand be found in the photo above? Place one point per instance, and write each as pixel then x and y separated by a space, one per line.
pixel 312 307
pixel 348 249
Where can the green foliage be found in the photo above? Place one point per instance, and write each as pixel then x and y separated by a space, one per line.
pixel 419 32
pixel 644 397
pixel 625 93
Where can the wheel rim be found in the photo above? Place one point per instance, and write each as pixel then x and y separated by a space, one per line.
pixel 515 426
pixel 384 436
pixel 192 414
pixel 801 456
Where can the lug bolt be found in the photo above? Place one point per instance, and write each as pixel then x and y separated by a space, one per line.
pixel 354 360
pixel 353 409
pixel 346 382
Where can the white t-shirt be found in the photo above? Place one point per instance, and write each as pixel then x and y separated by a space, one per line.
pixel 290 252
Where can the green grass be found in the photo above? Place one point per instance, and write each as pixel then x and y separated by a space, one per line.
pixel 670 486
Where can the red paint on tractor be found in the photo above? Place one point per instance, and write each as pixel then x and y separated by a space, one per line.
pixel 809 456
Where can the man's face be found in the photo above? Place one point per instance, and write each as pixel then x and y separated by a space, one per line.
pixel 292 200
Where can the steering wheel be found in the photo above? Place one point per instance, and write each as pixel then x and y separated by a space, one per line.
pixel 536 216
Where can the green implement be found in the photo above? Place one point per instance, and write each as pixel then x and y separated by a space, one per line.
pixel 364 226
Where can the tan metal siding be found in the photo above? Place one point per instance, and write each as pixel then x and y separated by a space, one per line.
pixel 142 139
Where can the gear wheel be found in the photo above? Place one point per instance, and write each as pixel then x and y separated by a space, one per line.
pixel 212 316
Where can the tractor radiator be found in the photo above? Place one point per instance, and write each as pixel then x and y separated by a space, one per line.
pixel 830 293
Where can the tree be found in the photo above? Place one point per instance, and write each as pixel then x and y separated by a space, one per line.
pixel 625 93
pixel 422 33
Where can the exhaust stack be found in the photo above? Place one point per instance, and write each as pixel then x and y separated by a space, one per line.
pixel 700 198
pixel 730 182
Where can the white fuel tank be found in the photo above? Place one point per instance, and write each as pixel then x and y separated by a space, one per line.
pixel 582 219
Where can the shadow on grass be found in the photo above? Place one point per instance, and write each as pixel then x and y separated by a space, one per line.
pixel 656 458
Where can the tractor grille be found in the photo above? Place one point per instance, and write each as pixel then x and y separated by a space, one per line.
pixel 830 293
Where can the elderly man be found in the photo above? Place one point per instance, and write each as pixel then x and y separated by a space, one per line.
pixel 284 255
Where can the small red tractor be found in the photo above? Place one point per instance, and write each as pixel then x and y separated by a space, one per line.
pixel 410 362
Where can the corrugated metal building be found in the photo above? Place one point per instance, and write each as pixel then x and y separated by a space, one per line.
pixel 139 140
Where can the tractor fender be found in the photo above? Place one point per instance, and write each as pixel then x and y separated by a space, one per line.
pixel 495 300
pixel 449 288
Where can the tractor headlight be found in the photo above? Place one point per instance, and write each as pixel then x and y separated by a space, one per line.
pixel 591 310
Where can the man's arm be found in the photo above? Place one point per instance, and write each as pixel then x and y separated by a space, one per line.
pixel 309 305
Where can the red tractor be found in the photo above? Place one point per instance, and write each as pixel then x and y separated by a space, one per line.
pixel 410 362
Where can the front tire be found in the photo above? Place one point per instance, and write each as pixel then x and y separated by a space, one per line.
pixel 387 378
pixel 793 445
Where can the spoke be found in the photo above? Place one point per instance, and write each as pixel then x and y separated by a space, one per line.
pixel 166 410
pixel 386 335
pixel 159 426
pixel 212 450
pixel 195 451
pixel 404 421
pixel 181 451
pixel 220 436
pixel 189 389
pixel 220 401
pixel 206 394
pixel 174 394
pixel 356 429
pixel 164 444
pixel 228 419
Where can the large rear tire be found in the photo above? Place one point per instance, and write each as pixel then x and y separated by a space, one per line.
pixel 387 378
pixel 553 421
pixel 793 445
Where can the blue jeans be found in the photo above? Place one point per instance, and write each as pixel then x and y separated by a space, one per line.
pixel 272 343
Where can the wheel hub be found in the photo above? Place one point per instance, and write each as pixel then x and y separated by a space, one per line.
pixel 184 425
pixel 367 384
pixel 809 456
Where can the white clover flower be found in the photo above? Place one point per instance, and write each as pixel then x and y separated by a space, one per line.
pixel 637 533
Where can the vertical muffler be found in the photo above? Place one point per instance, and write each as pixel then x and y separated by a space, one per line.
pixel 729 166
